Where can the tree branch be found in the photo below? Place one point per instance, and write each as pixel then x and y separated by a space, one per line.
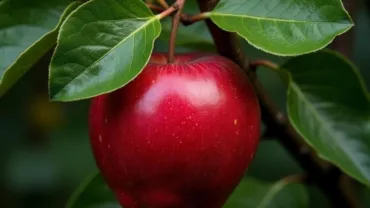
pixel 228 46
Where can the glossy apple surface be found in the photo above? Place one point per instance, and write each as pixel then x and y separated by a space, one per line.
pixel 178 135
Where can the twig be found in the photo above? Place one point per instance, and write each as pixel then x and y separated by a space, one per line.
pixel 154 7
pixel 185 18
pixel 191 19
pixel 163 4
pixel 227 45
pixel 168 11
pixel 179 5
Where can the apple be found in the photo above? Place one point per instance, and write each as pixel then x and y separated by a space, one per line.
pixel 179 135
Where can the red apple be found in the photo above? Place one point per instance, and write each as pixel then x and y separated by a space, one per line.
pixel 178 135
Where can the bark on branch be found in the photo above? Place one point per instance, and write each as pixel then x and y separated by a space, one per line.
pixel 228 46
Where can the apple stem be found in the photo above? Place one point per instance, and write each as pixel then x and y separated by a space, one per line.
pixel 179 5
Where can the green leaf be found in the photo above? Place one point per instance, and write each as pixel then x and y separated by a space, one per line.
pixel 102 46
pixel 329 106
pixel 28 29
pixel 93 193
pixel 283 27
pixel 253 193
pixel 250 193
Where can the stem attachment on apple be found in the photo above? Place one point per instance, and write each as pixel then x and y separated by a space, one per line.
pixel 179 5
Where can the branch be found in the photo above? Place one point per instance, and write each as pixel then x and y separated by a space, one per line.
pixel 191 19
pixel 168 12
pixel 185 18
pixel 227 45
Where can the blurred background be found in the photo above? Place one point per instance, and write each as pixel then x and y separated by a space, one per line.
pixel 44 146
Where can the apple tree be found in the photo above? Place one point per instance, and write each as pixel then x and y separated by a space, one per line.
pixel 179 96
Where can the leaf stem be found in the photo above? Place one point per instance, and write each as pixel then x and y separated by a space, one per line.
pixel 179 5
pixel 266 63
pixel 191 19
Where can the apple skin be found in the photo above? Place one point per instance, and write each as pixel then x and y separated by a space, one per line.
pixel 178 135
